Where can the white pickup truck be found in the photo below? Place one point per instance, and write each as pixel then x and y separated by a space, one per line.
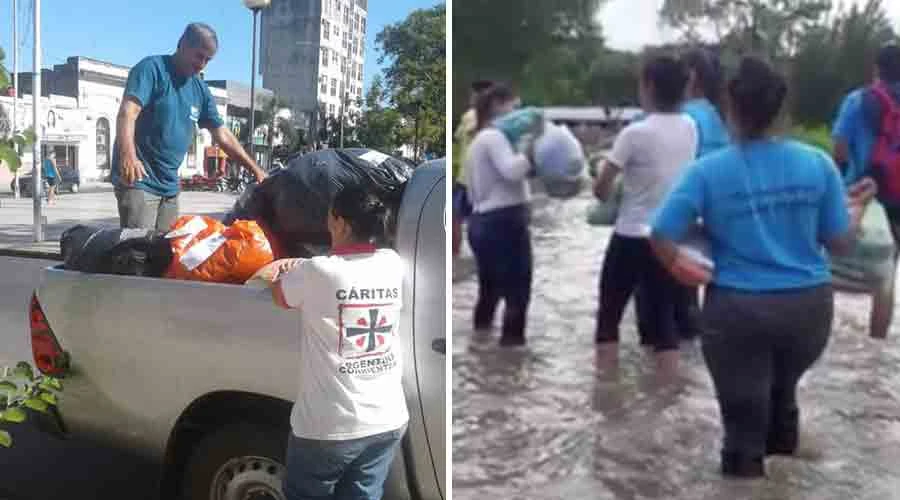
pixel 201 376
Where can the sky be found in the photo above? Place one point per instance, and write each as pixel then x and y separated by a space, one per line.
pixel 632 24
pixel 130 30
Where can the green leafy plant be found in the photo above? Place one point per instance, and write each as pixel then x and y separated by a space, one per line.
pixel 23 392
pixel 819 137
pixel 12 148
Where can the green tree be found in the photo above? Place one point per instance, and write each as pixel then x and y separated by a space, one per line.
pixel 546 47
pixel 379 126
pixel 414 77
pixel 770 27
pixel 835 58
pixel 4 74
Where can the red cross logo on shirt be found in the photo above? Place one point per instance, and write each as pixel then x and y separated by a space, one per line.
pixel 366 330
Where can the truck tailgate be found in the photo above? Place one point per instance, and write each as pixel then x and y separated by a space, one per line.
pixel 143 349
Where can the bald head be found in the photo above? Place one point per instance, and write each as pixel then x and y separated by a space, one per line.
pixel 196 48
pixel 199 35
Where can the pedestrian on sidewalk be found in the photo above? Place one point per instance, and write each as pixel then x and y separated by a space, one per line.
pixel 51 173
pixel 497 184
pixel 351 412
pixel 164 101
pixel 769 205
pixel 650 155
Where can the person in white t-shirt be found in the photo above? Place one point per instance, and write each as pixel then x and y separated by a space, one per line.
pixel 351 413
pixel 650 155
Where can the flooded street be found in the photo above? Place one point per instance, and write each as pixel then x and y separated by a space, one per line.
pixel 540 423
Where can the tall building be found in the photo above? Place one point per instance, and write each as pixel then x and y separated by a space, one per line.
pixel 312 53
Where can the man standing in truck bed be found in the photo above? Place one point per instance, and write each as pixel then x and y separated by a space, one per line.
pixel 164 100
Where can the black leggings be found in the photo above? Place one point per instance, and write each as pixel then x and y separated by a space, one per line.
pixel 630 263
pixel 687 314
pixel 757 346
pixel 501 243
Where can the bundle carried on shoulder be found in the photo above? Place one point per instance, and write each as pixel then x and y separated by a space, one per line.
pixel 107 250
pixel 559 159
pixel 204 249
pixel 292 205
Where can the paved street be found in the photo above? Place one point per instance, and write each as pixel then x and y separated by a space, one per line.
pixel 41 467
pixel 97 206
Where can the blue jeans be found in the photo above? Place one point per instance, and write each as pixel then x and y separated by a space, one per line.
pixel 340 470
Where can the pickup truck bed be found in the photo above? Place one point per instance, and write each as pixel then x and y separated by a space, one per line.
pixel 196 374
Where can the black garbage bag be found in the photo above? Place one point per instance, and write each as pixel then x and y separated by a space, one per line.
pixel 292 205
pixel 105 250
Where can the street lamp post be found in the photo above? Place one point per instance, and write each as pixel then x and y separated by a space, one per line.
pixel 36 189
pixel 15 76
pixel 255 6
pixel 416 94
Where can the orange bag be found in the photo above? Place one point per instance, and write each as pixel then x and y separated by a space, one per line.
pixel 204 249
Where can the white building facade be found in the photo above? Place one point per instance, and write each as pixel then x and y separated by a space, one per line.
pixel 79 109
pixel 313 53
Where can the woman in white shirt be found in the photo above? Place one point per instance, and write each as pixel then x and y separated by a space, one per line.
pixel 350 414
pixel 650 155
pixel 496 176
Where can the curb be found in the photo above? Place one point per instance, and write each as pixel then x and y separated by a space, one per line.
pixel 31 253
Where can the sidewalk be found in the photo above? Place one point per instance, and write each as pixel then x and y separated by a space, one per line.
pixel 96 206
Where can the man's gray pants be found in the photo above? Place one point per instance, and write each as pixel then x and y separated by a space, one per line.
pixel 140 209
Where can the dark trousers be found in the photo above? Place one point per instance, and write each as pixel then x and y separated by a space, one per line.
pixel 757 346
pixel 686 308
pixel 631 264
pixel 501 243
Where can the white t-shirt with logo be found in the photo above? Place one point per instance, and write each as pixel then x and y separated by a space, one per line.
pixel 651 154
pixel 350 359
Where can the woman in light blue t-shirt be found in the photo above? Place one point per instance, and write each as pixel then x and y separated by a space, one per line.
pixel 770 207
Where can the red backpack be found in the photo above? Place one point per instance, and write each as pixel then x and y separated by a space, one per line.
pixel 886 154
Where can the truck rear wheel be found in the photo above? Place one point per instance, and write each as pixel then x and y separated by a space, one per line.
pixel 237 462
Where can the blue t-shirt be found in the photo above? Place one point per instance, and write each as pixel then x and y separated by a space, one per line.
pixel 49 171
pixel 171 105
pixel 852 126
pixel 767 208
pixel 712 134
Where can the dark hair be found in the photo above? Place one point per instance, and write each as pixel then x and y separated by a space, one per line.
pixel 365 212
pixel 756 94
pixel 668 77
pixel 480 85
pixel 487 98
pixel 197 35
pixel 708 70
pixel 888 62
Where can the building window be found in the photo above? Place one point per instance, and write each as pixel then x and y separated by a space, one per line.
pixel 324 84
pixel 362 21
pixel 102 144
pixel 334 86
pixel 325 56
pixel 334 57
pixel 325 31
pixel 361 50
pixel 331 109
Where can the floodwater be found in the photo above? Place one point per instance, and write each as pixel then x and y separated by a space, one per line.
pixel 542 422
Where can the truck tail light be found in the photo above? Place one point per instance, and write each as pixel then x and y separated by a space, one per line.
pixel 49 356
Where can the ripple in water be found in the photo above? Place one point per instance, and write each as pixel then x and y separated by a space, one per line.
pixel 540 423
